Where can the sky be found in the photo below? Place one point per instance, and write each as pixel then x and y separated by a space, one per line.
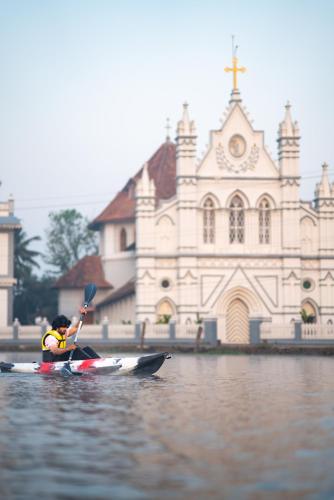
pixel 86 88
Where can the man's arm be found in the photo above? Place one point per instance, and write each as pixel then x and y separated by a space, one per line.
pixel 71 331
pixel 60 350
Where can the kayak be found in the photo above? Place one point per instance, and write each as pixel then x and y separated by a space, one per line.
pixel 146 365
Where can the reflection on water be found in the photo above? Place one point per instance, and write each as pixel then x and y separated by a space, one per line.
pixel 205 427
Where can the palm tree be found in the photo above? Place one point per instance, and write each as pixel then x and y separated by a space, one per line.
pixel 24 258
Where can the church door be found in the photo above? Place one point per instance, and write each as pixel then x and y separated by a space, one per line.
pixel 237 323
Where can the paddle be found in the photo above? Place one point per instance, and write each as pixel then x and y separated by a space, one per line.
pixel 90 291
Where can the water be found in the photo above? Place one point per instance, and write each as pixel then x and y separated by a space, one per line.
pixel 235 427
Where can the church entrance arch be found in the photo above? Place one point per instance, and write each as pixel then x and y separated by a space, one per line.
pixel 233 311
pixel 237 322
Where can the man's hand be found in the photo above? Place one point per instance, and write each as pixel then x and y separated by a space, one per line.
pixel 71 347
pixel 83 310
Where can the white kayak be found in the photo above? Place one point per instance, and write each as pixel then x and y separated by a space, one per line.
pixel 147 365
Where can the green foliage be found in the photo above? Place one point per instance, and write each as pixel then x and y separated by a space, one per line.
pixel 35 297
pixel 68 240
pixel 198 320
pixel 307 318
pixel 24 257
pixel 164 319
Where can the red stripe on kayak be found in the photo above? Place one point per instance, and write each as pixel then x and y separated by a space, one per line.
pixel 86 364
pixel 45 368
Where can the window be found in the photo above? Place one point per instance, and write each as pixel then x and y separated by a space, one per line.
pixel 209 221
pixel 308 313
pixel 123 240
pixel 164 312
pixel 308 284
pixel 237 220
pixel 165 283
pixel 264 222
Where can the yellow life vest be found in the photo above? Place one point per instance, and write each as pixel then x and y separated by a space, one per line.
pixel 61 339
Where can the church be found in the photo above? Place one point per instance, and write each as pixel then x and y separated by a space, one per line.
pixel 226 236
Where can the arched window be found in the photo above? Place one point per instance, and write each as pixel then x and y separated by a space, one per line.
pixel 209 221
pixel 123 240
pixel 264 222
pixel 237 220
pixel 164 311
pixel 308 313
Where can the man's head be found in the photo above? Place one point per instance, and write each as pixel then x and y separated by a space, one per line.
pixel 61 323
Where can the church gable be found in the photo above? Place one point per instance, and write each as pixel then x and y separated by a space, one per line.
pixel 237 150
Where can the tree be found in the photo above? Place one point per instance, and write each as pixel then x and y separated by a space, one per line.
pixel 24 257
pixel 35 297
pixel 68 240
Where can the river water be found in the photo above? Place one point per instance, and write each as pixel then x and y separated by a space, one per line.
pixel 206 426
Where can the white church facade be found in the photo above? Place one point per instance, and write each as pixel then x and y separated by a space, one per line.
pixel 223 237
pixel 8 224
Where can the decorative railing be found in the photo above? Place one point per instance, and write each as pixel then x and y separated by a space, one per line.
pixel 121 331
pixel 186 331
pixel 156 330
pixel 316 331
pixel 270 331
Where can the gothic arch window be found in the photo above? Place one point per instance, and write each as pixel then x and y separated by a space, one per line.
pixel 209 222
pixel 237 220
pixel 165 311
pixel 308 312
pixel 264 222
pixel 122 242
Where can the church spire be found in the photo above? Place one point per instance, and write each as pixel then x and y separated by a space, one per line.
pixel 185 127
pixel 185 145
pixel 145 185
pixel 323 188
pixel 288 145
pixel 288 128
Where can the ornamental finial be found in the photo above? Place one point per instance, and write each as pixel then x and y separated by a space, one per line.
pixel 168 127
pixel 235 68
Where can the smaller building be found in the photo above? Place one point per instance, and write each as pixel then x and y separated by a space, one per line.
pixel 70 286
pixel 118 305
pixel 8 224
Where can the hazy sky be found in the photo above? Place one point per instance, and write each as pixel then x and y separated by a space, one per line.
pixel 86 87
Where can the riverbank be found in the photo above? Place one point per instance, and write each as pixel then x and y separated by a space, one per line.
pixel 263 348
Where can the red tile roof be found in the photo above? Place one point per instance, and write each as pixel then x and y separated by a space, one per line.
pixel 161 168
pixel 87 270
pixel 121 293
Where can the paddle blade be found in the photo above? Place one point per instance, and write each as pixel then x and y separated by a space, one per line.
pixel 90 291
pixel 66 370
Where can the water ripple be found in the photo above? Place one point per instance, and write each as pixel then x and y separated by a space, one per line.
pixel 206 427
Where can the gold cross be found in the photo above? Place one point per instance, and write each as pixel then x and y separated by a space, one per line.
pixel 235 70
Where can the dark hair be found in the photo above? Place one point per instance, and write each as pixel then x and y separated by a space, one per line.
pixel 60 321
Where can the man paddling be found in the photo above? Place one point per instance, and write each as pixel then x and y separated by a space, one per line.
pixel 54 346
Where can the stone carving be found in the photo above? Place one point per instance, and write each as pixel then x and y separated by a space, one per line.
pixel 248 164
pixel 237 146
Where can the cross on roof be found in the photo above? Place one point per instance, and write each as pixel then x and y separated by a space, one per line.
pixel 168 127
pixel 235 68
